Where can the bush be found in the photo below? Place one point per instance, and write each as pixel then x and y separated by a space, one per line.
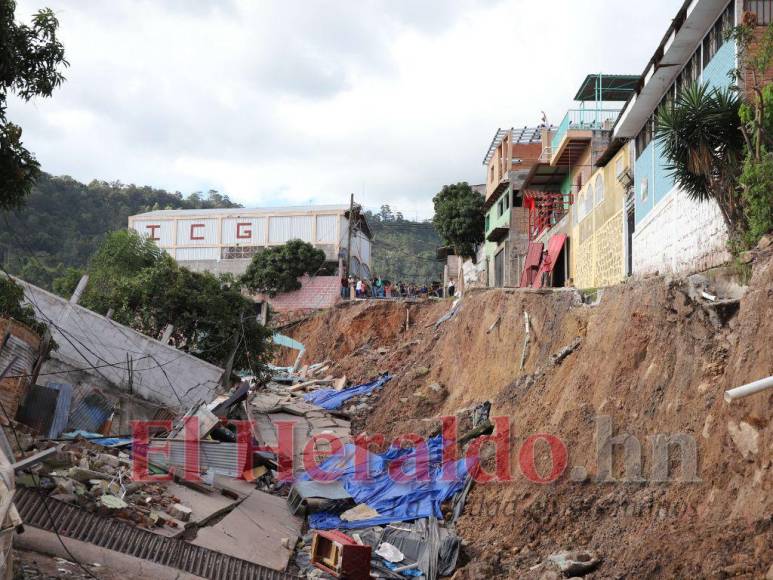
pixel 11 298
pixel 757 191
pixel 276 270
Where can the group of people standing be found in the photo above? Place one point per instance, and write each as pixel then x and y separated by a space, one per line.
pixel 378 288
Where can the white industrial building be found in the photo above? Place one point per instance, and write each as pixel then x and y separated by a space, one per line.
pixel 224 240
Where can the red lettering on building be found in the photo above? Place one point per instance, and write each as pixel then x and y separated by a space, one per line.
pixel 194 227
pixel 153 229
pixel 243 234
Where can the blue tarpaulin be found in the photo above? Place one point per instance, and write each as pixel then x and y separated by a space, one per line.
pixel 97 438
pixel 331 399
pixel 394 499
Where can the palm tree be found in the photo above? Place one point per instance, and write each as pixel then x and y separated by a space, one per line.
pixel 702 141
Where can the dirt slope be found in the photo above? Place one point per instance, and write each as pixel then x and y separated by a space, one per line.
pixel 650 357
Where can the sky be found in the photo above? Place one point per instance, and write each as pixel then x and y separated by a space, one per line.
pixel 292 102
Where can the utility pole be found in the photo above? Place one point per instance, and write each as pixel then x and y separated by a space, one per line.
pixel 349 240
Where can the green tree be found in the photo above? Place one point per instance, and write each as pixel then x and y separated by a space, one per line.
pixel 147 290
pixel 276 269
pixel 459 217
pixel 11 305
pixel 705 149
pixel 31 57
pixel 65 284
pixel 122 256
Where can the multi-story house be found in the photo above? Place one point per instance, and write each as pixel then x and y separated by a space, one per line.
pixel 575 203
pixel 673 233
pixel 508 161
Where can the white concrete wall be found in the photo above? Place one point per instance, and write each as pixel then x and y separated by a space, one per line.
pixel 88 339
pixel 679 235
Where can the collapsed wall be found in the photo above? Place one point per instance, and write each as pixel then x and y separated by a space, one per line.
pixel 646 366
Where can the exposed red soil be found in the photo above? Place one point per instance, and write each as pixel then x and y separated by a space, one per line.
pixel 649 358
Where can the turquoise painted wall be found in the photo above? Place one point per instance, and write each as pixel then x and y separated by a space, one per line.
pixel 494 221
pixel 716 71
pixel 643 169
pixel 716 75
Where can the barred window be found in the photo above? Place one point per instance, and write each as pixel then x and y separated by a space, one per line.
pixel 644 137
pixel 762 8
pixel 238 252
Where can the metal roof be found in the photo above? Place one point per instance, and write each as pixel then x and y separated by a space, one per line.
pixel 243 211
pixel 524 135
pixel 684 32
pixel 90 413
pixel 608 87
pixel 113 534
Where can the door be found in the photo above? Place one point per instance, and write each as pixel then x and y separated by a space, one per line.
pixel 630 227
pixel 499 269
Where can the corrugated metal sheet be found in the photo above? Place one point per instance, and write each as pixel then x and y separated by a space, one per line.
pixel 256 230
pixel 191 254
pixel 555 244
pixel 23 344
pixel 243 211
pixel 326 229
pixel 62 411
pixel 531 265
pixel 164 233
pixel 343 235
pixel 361 247
pixel 187 230
pixel 38 408
pixel 90 413
pixel 113 534
pixel 221 458
pixel 284 228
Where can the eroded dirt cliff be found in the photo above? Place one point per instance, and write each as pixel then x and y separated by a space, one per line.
pixel 651 356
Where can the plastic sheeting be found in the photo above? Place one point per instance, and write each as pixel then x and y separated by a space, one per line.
pixel 330 399
pixel 396 498
pixel 98 438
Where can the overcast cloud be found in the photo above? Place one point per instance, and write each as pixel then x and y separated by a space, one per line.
pixel 305 101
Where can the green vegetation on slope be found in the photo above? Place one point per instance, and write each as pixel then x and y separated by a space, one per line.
pixel 64 222
pixel 404 250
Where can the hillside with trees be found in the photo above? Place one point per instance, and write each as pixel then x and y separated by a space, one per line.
pixel 404 249
pixel 64 221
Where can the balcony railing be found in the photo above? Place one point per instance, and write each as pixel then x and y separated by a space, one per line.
pixel 583 120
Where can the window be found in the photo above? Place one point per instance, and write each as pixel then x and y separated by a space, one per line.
pixel 599 189
pixel 500 209
pixel 619 167
pixel 714 40
pixel 488 221
pixel 588 201
pixel 507 201
pixel 762 8
pixel 644 138
pixel 644 189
